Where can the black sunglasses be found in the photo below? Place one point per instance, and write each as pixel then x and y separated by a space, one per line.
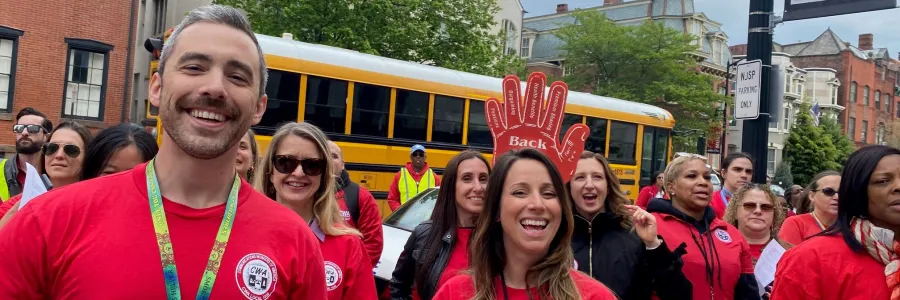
pixel 32 129
pixel 418 154
pixel 70 150
pixel 287 164
pixel 827 191
pixel 749 206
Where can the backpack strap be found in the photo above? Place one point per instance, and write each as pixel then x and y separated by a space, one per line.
pixel 351 198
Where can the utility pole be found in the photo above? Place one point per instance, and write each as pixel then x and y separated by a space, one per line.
pixel 755 140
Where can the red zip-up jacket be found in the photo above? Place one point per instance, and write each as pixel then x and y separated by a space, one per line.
pixel 718 204
pixel 348 273
pixel 710 243
pixel 369 219
pixel 825 268
pixel 394 193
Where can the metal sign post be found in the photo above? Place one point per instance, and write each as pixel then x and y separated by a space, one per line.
pixel 755 138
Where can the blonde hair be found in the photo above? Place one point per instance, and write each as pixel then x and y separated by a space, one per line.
pixel 674 169
pixel 615 199
pixel 737 201
pixel 325 207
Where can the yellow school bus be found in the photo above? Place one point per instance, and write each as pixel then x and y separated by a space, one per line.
pixel 376 108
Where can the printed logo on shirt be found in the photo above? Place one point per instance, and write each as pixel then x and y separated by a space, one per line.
pixel 333 275
pixel 345 214
pixel 723 236
pixel 256 276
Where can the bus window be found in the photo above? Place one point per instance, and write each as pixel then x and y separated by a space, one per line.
pixel 448 119
pixel 653 154
pixel 283 90
pixel 622 142
pixel 326 102
pixel 597 141
pixel 152 110
pixel 411 115
pixel 371 105
pixel 568 121
pixel 479 133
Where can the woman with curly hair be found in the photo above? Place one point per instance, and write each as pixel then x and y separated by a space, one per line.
pixel 521 247
pixel 629 258
pixel 757 214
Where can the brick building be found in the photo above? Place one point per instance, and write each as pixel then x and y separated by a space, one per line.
pixel 68 59
pixel 870 85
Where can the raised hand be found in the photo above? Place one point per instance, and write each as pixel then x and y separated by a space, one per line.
pixel 535 123
pixel 644 225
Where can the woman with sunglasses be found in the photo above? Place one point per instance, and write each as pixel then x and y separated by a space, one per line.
pixel 822 193
pixel 296 173
pixel 718 261
pixel 118 149
pixel 247 156
pixel 652 191
pixel 757 215
pixel 436 249
pixel 521 247
pixel 616 243
pixel 62 159
pixel 856 257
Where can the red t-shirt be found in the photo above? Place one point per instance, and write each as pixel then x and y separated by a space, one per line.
pixel 733 252
pixel 459 258
pixel 756 251
pixel 461 287
pixel 798 228
pixel 9 204
pixel 825 268
pixel 348 273
pixel 95 240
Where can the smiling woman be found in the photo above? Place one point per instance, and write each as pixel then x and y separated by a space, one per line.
pixel 522 243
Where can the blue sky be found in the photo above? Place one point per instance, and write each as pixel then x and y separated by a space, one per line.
pixel 733 16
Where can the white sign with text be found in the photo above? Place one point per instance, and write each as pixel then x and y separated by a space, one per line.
pixel 748 90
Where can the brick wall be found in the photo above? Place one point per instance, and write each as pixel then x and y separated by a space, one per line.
pixel 41 60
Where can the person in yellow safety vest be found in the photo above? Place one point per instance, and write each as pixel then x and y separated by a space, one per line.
pixel 31 129
pixel 413 179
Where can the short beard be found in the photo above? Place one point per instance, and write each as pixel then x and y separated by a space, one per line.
pixel 198 145
pixel 35 147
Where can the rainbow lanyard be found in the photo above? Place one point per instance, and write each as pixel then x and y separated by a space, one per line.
pixel 173 290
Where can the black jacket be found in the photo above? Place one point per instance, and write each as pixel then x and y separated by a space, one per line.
pixel 746 287
pixel 618 258
pixel 408 264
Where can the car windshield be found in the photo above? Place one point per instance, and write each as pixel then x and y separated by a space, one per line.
pixel 413 212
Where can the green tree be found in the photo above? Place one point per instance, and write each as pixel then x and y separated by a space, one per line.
pixel 783 176
pixel 443 33
pixel 809 150
pixel 648 63
pixel 842 143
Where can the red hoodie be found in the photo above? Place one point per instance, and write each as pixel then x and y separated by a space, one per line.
pixel 394 192
pixel 369 222
pixel 710 243
pixel 95 240
pixel 719 204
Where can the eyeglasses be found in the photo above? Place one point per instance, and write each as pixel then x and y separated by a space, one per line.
pixel 750 206
pixel 827 191
pixel 32 129
pixel 70 150
pixel 418 154
pixel 691 155
pixel 285 164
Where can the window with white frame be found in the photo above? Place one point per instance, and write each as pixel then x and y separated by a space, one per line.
pixel 159 24
pixel 86 75
pixel 526 47
pixel 511 37
pixel 879 135
pixel 9 42
pixel 865 131
pixel 834 91
pixel 770 161
pixel 853 92
pixel 887 102
pixel 866 95
pixel 851 128
pixel 787 83
pixel 877 99
pixel 786 125
pixel 800 89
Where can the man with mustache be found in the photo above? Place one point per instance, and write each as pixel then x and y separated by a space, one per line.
pixel 31 129
pixel 121 236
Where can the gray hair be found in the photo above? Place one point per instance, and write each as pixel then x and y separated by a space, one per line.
pixel 216 14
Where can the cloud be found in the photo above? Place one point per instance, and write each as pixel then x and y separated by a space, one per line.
pixel 733 14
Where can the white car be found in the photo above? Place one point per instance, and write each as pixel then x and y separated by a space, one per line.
pixel 397 227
